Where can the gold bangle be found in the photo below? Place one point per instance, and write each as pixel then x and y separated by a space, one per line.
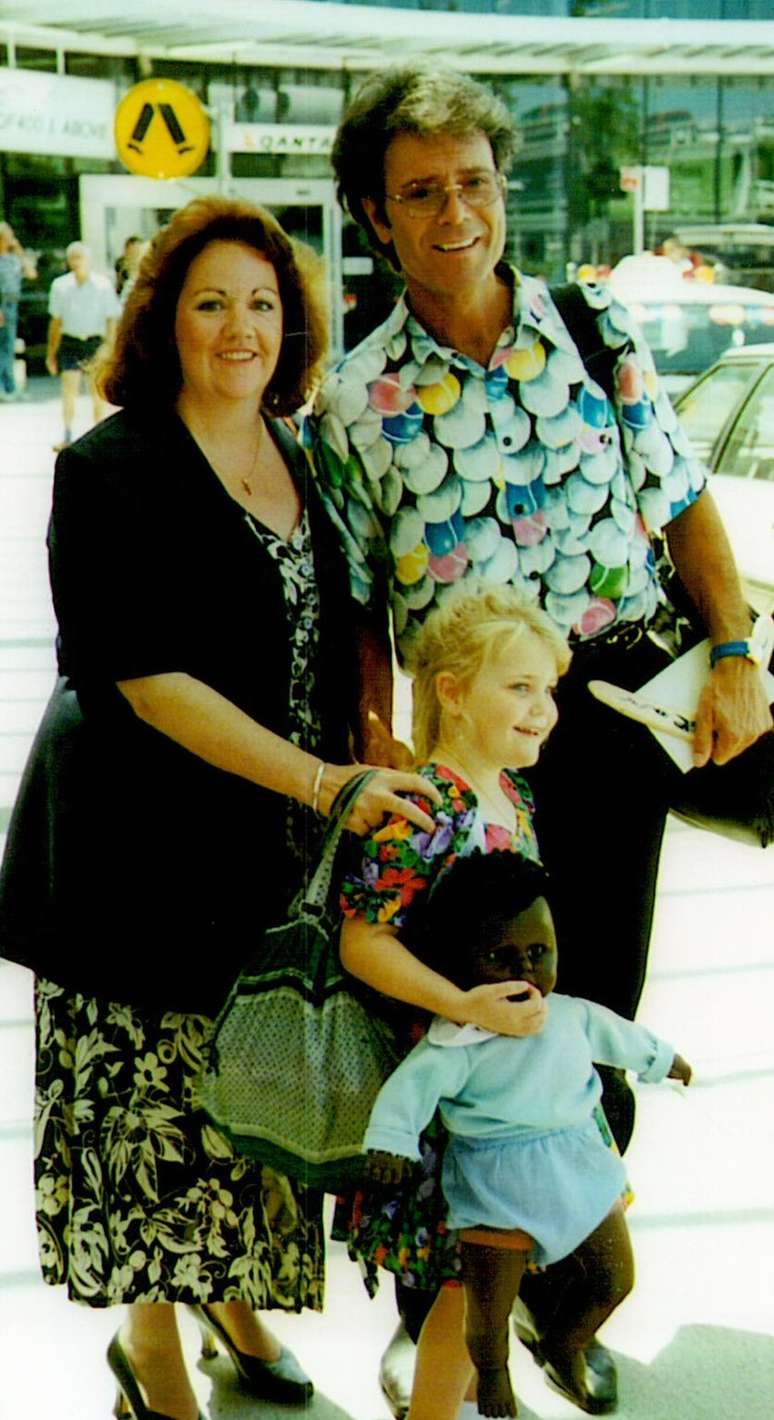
pixel 317 786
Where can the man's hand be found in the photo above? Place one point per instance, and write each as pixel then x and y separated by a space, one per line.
pixel 379 747
pixel 732 712
pixel 384 1170
pixel 680 1070
pixel 52 365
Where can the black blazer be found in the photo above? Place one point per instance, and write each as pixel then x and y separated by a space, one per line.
pixel 132 868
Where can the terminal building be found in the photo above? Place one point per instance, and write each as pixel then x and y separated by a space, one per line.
pixel 598 89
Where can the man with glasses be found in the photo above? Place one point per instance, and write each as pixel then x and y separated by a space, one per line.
pixel 466 437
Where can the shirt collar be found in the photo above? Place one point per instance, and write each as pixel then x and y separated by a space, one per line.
pixel 534 315
pixel 444 1032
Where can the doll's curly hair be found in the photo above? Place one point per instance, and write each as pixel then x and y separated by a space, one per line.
pixel 467 896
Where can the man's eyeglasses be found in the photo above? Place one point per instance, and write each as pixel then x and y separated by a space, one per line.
pixel 427 199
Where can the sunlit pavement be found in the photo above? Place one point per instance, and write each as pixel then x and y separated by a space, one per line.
pixel 694 1342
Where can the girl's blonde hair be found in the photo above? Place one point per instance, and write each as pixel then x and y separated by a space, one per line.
pixel 473 623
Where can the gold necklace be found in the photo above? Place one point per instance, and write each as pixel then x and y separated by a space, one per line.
pixel 247 482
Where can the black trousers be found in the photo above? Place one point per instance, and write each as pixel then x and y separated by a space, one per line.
pixel 602 791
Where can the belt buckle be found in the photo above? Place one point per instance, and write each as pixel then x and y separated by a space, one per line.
pixel 624 634
pixel 630 634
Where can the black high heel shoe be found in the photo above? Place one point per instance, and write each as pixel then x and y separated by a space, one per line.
pixel 129 1402
pixel 281 1380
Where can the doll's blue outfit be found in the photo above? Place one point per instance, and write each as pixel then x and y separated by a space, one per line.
pixel 524 1150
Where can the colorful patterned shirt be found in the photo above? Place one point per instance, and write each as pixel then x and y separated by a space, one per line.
pixel 435 469
pixel 401 861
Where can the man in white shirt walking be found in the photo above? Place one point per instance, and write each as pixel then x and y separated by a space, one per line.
pixel 83 307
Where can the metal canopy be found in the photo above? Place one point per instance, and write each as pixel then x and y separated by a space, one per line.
pixel 306 34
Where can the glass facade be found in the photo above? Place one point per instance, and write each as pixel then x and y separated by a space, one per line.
pixel 590 9
pixel 715 135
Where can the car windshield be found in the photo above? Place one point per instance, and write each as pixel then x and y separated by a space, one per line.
pixel 749 452
pixel 706 408
pixel 686 338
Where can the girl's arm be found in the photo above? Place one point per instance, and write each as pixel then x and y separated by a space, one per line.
pixel 373 953
pixel 212 727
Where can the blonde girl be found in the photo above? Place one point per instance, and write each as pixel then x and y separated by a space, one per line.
pixel 485 664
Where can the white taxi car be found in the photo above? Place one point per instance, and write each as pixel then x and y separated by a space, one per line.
pixel 729 416
pixel 689 323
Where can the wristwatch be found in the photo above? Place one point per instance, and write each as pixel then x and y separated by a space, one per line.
pixel 756 648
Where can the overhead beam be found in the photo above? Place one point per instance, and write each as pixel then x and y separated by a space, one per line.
pixel 301 34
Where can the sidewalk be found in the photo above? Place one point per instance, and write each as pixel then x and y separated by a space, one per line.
pixel 696 1339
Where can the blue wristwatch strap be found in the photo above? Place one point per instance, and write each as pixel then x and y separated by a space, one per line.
pixel 733 648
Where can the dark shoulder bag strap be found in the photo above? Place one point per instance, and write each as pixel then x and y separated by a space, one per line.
pixel 581 321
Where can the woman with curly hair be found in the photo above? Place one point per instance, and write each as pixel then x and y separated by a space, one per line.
pixel 196 739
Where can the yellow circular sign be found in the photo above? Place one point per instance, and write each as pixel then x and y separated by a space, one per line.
pixel 161 130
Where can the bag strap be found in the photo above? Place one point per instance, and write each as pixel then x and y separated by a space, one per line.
pixel 317 892
pixel 581 321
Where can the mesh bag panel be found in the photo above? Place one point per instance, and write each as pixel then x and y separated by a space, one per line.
pixel 298 1076
pixel 296 1060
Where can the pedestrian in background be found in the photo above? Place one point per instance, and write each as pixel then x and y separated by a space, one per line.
pixel 15 265
pixel 128 265
pixel 84 308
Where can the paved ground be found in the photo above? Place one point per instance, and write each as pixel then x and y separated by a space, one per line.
pixel 694 1342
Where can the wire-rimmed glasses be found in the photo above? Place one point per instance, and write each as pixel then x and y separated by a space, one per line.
pixel 427 199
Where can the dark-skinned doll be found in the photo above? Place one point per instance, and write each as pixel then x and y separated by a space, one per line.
pixel 527 1174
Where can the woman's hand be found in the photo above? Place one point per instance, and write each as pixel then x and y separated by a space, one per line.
pixel 380 798
pixel 492 1007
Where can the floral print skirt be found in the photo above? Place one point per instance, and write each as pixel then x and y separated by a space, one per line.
pixel 138 1197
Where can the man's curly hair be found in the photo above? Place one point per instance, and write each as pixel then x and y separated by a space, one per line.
pixel 411 98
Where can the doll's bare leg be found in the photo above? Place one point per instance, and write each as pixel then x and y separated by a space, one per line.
pixel 493 1265
pixel 443 1370
pixel 605 1278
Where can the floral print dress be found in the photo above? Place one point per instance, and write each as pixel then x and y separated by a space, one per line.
pixel 407 1233
pixel 138 1197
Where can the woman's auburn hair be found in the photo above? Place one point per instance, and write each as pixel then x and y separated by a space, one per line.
pixel 473 623
pixel 143 366
pixel 411 98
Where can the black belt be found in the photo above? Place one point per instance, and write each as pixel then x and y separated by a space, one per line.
pixel 82 338
pixel 622 634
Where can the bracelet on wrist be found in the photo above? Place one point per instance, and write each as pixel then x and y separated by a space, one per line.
pixel 756 649
pixel 733 648
pixel 316 787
